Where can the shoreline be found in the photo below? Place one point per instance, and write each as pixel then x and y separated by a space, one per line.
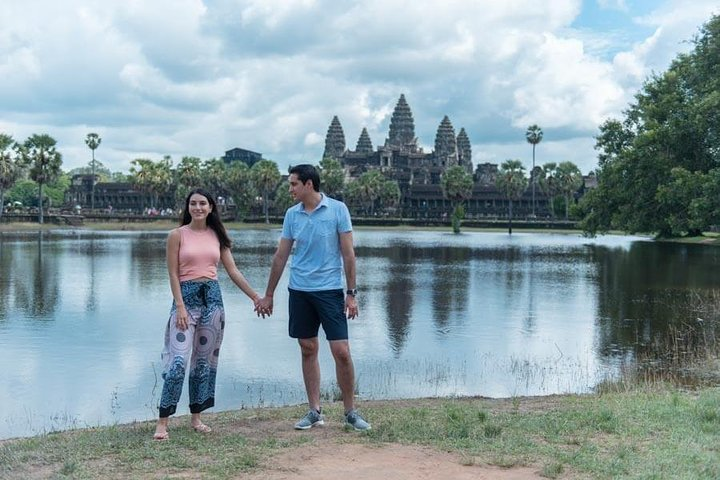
pixel 620 432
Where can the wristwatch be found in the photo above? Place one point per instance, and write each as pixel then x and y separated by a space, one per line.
pixel 351 291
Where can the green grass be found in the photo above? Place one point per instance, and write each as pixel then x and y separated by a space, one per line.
pixel 648 433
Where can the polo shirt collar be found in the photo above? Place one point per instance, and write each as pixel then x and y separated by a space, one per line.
pixel 324 202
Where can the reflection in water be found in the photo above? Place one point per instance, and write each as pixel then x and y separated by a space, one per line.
pixel 472 314
pixel 36 289
pixel 450 285
pixel 399 294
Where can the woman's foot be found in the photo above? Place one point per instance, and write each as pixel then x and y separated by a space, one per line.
pixel 161 436
pixel 201 428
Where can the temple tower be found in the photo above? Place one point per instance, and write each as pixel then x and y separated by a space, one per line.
pixel 364 144
pixel 464 151
pixel 402 127
pixel 445 144
pixel 334 140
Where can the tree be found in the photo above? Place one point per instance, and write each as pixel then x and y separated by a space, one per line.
pixel 673 123
pixel 569 180
pixel 332 176
pixel 548 183
pixel 533 135
pixel 39 152
pixel 239 184
pixel 512 183
pixel 265 175
pixel 457 185
pixel 370 185
pixel 389 195
pixel 188 175
pixel 215 177
pixel 153 178
pixel 12 166
pixel 283 199
pixel 93 141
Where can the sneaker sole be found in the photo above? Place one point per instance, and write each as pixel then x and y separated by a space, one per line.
pixel 350 426
pixel 318 423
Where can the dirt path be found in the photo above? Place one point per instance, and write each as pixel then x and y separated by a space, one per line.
pixel 332 461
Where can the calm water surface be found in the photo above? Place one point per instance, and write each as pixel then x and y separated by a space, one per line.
pixel 82 317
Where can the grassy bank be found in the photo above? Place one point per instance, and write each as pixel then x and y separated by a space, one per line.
pixel 658 432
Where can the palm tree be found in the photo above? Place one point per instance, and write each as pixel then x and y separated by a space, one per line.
pixel 533 135
pixel 266 176
pixel 39 152
pixel 569 181
pixel 548 183
pixel 457 185
pixel 153 178
pixel 238 184
pixel 370 184
pixel 333 176
pixel 11 166
pixel 512 182
pixel 93 141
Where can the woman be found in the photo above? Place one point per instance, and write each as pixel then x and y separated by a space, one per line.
pixel 197 317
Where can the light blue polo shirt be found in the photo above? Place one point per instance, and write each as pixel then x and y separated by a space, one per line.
pixel 317 260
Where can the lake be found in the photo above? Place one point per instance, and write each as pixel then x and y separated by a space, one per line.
pixel 82 316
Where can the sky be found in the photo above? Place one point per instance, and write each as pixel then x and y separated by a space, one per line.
pixel 199 77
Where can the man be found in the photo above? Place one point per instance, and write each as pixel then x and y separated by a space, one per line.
pixel 321 230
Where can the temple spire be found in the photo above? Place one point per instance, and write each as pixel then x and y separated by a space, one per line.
pixel 364 144
pixel 464 151
pixel 445 145
pixel 334 140
pixel 402 127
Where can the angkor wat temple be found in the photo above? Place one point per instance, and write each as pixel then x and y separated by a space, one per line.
pixel 418 172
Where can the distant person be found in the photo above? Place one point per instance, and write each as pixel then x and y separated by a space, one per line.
pixel 321 230
pixel 196 325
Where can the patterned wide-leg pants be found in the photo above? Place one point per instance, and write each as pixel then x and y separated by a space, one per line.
pixel 195 349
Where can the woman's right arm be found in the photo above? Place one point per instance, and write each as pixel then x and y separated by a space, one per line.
pixel 173 265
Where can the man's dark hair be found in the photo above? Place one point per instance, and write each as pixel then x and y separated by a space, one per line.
pixel 307 172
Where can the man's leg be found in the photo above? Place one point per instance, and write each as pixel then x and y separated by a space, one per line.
pixel 311 370
pixel 344 371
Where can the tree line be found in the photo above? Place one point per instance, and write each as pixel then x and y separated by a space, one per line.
pixel 659 165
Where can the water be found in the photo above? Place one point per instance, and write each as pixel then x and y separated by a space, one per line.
pixel 82 317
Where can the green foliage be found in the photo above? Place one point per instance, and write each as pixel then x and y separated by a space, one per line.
pixel 44 160
pixel 655 164
pixel 511 181
pixel 153 178
pixel 266 176
pixel 332 177
pixel 239 185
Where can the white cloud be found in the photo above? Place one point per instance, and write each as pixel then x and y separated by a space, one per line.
pixel 192 77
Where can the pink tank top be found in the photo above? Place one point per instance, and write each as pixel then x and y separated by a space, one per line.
pixel 199 254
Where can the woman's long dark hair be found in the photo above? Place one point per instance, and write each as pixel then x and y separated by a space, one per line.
pixel 213 219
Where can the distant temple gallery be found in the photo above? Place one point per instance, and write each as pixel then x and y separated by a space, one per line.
pixel 419 173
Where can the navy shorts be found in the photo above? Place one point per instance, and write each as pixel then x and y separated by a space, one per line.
pixel 309 310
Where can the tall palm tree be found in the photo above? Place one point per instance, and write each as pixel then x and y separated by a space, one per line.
pixel 457 185
pixel 548 183
pixel 569 181
pixel 533 135
pixel 39 152
pixel 93 141
pixel 266 176
pixel 11 166
pixel 371 183
pixel 512 182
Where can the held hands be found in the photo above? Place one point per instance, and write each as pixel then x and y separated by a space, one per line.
pixel 264 306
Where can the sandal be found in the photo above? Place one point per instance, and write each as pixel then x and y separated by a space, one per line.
pixel 161 436
pixel 201 428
